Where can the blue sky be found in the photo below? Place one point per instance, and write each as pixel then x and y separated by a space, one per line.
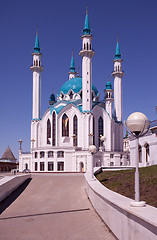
pixel 60 27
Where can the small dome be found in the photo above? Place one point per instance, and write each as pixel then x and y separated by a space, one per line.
pixel 75 84
pixel 108 85
pixel 52 97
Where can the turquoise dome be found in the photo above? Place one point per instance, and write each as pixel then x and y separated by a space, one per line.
pixel 108 85
pixel 75 84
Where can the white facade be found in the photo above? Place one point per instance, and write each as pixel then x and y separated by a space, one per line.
pixel 147 150
pixel 60 139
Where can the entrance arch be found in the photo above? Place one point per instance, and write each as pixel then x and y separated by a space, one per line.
pixel 26 165
pixel 81 167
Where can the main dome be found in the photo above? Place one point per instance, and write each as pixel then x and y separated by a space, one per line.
pixel 75 84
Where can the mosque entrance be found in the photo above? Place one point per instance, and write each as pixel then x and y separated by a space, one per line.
pixel 81 167
pixel 26 166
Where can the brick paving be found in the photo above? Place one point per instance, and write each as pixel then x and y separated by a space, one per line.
pixel 53 207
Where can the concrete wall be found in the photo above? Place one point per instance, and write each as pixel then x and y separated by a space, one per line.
pixel 125 222
pixel 9 183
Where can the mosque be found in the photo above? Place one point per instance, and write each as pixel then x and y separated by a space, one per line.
pixel 60 140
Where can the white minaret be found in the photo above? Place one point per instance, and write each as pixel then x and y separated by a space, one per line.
pixel 118 74
pixel 86 53
pixel 72 73
pixel 109 98
pixel 36 69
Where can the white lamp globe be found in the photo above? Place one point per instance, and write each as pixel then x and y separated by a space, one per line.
pixel 92 149
pixel 102 138
pixel 137 122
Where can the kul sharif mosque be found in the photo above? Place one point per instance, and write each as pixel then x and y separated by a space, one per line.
pixel 60 140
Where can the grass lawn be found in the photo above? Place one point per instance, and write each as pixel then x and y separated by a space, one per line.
pixel 123 182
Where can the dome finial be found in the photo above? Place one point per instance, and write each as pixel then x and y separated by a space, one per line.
pixel 72 66
pixel 37 31
pixel 87 9
pixel 78 74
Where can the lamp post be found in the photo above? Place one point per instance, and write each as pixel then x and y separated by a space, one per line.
pixel 102 139
pixel 92 149
pixel 137 125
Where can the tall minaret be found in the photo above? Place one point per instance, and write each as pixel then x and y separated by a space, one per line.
pixel 87 53
pixel 118 74
pixel 72 73
pixel 36 69
pixel 109 98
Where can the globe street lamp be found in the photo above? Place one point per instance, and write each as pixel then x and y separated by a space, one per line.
pixel 102 139
pixel 137 125
pixel 92 149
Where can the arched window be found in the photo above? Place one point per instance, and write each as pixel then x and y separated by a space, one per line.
pixel 39 63
pixel 54 129
pixel 140 153
pixel 75 126
pixel 100 128
pixel 87 46
pixel 147 151
pixel 65 126
pixel 71 95
pixel 84 46
pixel 36 62
pixel 50 154
pixel 90 47
pixel 42 154
pixel 48 131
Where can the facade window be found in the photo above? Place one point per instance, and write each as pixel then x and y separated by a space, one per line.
pixel 75 126
pixel 60 154
pixel 54 129
pixel 87 46
pixel 37 63
pixel 140 153
pixel 100 128
pixel 147 151
pixel 42 154
pixel 50 166
pixel 50 154
pixel 93 130
pixel 71 95
pixel 36 166
pixel 65 126
pixel 42 166
pixel 87 100
pixel 34 62
pixel 48 131
pixel 60 166
pixel 36 155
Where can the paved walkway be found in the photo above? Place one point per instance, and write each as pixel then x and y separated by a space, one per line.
pixel 53 207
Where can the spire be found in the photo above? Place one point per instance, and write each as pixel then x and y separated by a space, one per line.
pixel 86 29
pixel 117 55
pixel 37 48
pixel 72 66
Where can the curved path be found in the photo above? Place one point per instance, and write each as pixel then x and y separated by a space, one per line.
pixel 53 207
